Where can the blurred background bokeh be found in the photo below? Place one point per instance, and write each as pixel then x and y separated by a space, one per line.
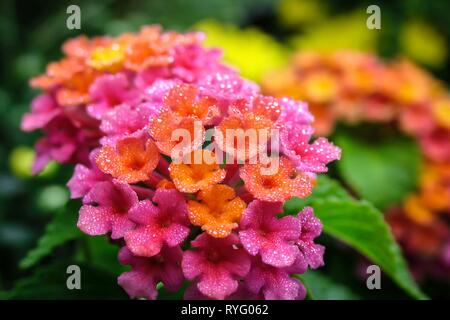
pixel 258 36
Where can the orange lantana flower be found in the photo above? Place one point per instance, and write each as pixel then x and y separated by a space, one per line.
pixel 131 160
pixel 260 106
pixel 165 184
pixel 76 89
pixel 82 46
pixel 245 133
pixel 199 173
pixel 74 77
pixel 163 129
pixel 57 73
pixel 147 49
pixel 284 183
pixel 109 58
pixel 73 72
pixel 182 101
pixel 217 210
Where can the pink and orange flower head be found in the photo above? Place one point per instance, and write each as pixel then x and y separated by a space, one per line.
pixel 147 118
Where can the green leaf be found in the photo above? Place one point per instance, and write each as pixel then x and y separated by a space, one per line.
pixel 380 172
pixel 101 253
pixel 321 287
pixel 61 229
pixel 50 282
pixel 361 226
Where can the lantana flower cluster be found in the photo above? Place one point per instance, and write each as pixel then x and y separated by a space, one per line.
pixel 354 87
pixel 111 106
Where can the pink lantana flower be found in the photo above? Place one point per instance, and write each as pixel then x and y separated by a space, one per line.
pixel 276 283
pixel 106 92
pixel 294 141
pixel 163 221
pixel 274 239
pixel 60 144
pixel 155 92
pixel 85 177
pixel 295 112
pixel 227 86
pixel 146 273
pixel 105 209
pixel 43 109
pixel 311 229
pixel 192 62
pixel 216 263
pixel 127 120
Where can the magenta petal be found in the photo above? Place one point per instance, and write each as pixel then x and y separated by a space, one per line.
pixel 83 179
pixel 238 264
pixel 147 272
pixel 77 186
pixel 294 141
pixel 120 225
pixel 145 241
pixel 279 254
pixel 275 239
pixel 171 202
pixel 164 222
pixel 95 221
pixel 295 112
pixel 192 264
pixel 251 241
pixel 43 110
pixel 310 224
pixel 318 155
pixel 255 279
pixel 311 228
pixel 125 120
pixel 217 284
pixel 172 277
pixel 288 228
pixel 106 92
pixel 313 254
pixel 158 89
pixel 126 257
pixel 301 293
pixel 41 160
pixel 259 212
pixel 216 263
pixel 276 283
pixel 175 234
pixel 114 194
pixel 144 212
pixel 106 206
pixel 138 284
pixel 299 266
pixel 53 147
pixel 283 287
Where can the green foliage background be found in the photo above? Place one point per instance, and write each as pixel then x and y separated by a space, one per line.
pixel 36 215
